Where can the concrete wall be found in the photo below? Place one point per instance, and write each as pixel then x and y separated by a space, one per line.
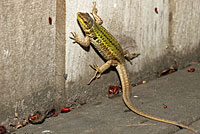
pixel 184 30
pixel 32 56
pixel 172 33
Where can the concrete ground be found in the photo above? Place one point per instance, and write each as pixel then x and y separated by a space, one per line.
pixel 180 91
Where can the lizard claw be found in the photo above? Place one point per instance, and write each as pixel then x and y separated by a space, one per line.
pixel 94 66
pixel 94 9
pixel 97 69
pixel 97 73
pixel 75 37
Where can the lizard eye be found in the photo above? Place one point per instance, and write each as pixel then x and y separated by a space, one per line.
pixel 84 20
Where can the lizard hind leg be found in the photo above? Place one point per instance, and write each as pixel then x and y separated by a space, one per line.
pixel 103 68
pixel 130 55
pixel 96 75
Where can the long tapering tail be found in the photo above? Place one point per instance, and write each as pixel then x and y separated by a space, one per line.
pixel 121 68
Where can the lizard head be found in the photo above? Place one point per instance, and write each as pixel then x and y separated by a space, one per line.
pixel 85 21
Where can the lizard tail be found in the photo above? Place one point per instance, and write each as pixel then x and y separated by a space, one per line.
pixel 121 68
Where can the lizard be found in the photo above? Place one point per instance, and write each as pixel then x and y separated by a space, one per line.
pixel 109 48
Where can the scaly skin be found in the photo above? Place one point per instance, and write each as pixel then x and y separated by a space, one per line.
pixel 110 49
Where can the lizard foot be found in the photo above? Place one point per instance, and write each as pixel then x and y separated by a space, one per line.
pixel 94 14
pixel 75 37
pixel 94 9
pixel 130 55
pixel 97 73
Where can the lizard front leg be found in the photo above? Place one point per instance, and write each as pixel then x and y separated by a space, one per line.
pixel 103 68
pixel 83 42
pixel 94 13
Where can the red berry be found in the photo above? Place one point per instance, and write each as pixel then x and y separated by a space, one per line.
pixel 164 106
pixel 156 10
pixel 32 118
pixel 2 130
pixel 191 69
pixel 65 109
pixel 50 20
pixel 56 114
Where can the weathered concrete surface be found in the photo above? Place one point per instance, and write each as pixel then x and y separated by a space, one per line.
pixel 31 66
pixel 184 31
pixel 172 33
pixel 179 91
pixel 32 49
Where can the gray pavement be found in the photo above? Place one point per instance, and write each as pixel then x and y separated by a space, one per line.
pixel 180 91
